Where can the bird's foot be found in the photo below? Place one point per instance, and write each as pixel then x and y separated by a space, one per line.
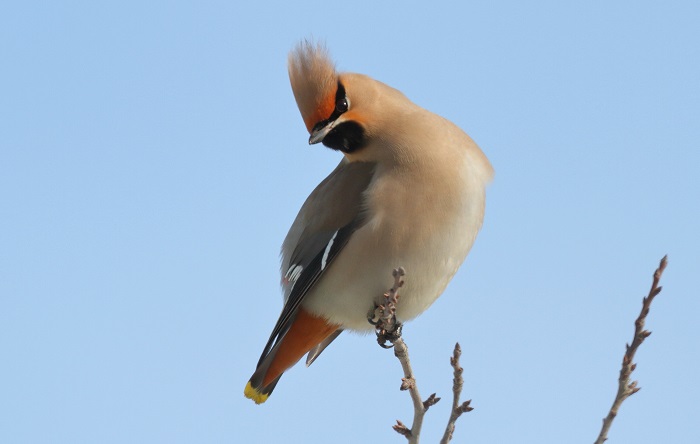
pixel 383 316
pixel 386 327
pixel 391 336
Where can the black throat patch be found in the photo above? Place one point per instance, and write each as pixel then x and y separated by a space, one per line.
pixel 347 137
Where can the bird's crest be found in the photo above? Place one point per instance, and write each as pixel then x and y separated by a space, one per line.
pixel 314 81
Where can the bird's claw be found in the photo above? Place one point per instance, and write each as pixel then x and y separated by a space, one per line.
pixel 372 316
pixel 391 336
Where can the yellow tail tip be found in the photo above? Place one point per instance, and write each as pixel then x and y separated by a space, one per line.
pixel 256 395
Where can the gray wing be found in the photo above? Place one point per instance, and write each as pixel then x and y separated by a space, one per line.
pixel 325 223
pixel 335 203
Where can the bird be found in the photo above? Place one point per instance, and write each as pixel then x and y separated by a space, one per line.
pixel 409 191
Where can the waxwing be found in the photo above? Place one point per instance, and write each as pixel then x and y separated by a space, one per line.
pixel 409 192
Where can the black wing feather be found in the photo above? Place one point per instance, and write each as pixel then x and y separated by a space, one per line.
pixel 308 277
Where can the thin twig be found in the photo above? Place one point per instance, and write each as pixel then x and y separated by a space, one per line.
pixel 388 329
pixel 457 384
pixel 626 388
pixel 408 382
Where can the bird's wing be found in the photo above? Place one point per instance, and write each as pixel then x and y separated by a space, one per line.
pixel 315 352
pixel 325 223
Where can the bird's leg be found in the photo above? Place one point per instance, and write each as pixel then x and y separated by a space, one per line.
pixel 383 317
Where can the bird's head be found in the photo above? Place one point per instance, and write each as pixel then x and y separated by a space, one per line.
pixel 339 110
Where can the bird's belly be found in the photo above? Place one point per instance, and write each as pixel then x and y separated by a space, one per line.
pixel 355 282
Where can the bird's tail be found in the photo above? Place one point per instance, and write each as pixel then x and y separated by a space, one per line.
pixel 306 333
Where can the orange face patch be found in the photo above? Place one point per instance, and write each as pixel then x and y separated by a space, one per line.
pixel 323 110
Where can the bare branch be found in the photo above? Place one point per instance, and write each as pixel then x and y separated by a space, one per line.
pixel 457 384
pixel 409 383
pixel 626 388
pixel 388 329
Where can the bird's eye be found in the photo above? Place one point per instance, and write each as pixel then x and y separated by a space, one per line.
pixel 342 105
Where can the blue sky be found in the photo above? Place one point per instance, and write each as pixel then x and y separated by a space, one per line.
pixel 152 159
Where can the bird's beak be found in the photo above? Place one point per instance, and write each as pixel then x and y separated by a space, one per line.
pixel 318 135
